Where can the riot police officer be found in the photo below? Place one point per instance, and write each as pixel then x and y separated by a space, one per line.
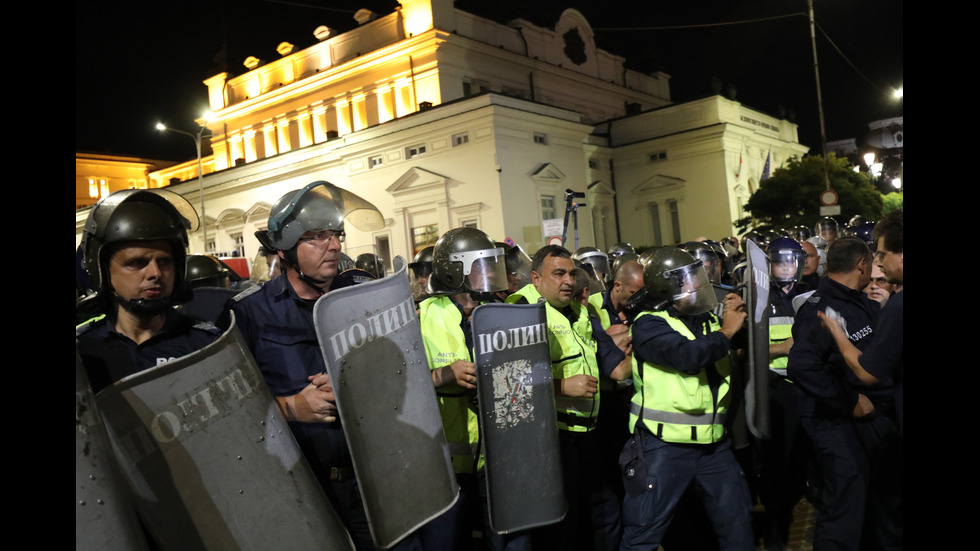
pixel 134 246
pixel 307 228
pixel 466 263
pixel 683 355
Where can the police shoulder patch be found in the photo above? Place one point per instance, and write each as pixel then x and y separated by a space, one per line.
pixel 207 327
pixel 246 293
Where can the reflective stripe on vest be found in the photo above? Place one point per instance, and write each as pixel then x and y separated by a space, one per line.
pixel 678 407
pixel 573 352
pixel 780 329
pixel 442 335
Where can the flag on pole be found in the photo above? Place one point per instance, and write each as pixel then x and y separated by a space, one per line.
pixel 738 171
pixel 765 169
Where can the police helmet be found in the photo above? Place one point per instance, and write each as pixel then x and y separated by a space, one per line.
pixel 673 276
pixel 204 270
pixel 801 233
pixel 708 256
pixel 421 265
pixel 466 259
pixel 518 268
pixel 863 231
pixel 787 260
pixel 620 249
pixel 595 257
pixel 754 236
pixel 318 206
pixel 137 215
pixel 825 227
pixel 372 264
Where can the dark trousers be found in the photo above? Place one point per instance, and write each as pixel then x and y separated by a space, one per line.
pixel 861 465
pixel 671 468
pixel 593 515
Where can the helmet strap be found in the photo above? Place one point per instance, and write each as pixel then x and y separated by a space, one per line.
pixel 141 307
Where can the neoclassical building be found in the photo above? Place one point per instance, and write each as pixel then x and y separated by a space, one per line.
pixel 443 119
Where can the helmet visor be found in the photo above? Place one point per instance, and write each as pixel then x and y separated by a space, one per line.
pixel 484 271
pixel 596 284
pixel 787 265
pixel 518 269
pixel 418 279
pixel 598 260
pixel 693 291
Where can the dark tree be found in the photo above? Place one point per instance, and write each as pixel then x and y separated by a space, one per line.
pixel 792 195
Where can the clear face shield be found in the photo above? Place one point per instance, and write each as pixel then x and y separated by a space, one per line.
pixel 787 265
pixel 518 269
pixel 712 265
pixel 596 285
pixel 599 262
pixel 694 293
pixel 418 279
pixel 484 271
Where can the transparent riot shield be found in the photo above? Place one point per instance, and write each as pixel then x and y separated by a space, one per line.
pixel 210 460
pixel 518 423
pixel 373 350
pixel 104 514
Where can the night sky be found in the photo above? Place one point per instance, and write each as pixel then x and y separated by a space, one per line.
pixel 142 62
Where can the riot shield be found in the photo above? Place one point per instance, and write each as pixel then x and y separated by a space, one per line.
pixel 517 416
pixel 372 347
pixel 757 304
pixel 104 514
pixel 210 460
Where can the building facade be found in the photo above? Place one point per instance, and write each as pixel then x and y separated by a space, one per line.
pixel 445 119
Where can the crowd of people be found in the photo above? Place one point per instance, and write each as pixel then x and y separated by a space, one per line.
pixel 648 363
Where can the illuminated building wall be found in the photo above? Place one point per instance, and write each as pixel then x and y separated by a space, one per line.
pixel 99 175
pixel 444 119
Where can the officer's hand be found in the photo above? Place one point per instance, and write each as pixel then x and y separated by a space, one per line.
pixel 316 403
pixel 580 386
pixel 620 334
pixel 864 407
pixel 734 315
pixel 832 325
pixel 465 373
pixel 461 373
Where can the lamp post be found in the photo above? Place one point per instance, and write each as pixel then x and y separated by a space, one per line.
pixel 200 170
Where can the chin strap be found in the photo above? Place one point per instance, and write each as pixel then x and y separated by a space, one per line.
pixel 143 307
pixel 312 283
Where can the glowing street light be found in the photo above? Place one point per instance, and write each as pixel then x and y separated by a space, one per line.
pixel 200 170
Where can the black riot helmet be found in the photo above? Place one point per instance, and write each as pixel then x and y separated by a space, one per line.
pixel 620 249
pixel 787 260
pixel 595 257
pixel 372 264
pixel 673 276
pixel 204 270
pixel 137 215
pixel 319 206
pixel 419 271
pixel 518 268
pixel 754 236
pixel 708 256
pixel 864 231
pixel 826 228
pixel 466 259
pixel 421 265
pixel 801 233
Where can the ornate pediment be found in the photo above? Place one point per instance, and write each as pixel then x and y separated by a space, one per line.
pixel 418 179
pixel 659 183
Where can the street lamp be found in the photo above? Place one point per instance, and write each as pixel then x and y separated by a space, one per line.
pixel 200 170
